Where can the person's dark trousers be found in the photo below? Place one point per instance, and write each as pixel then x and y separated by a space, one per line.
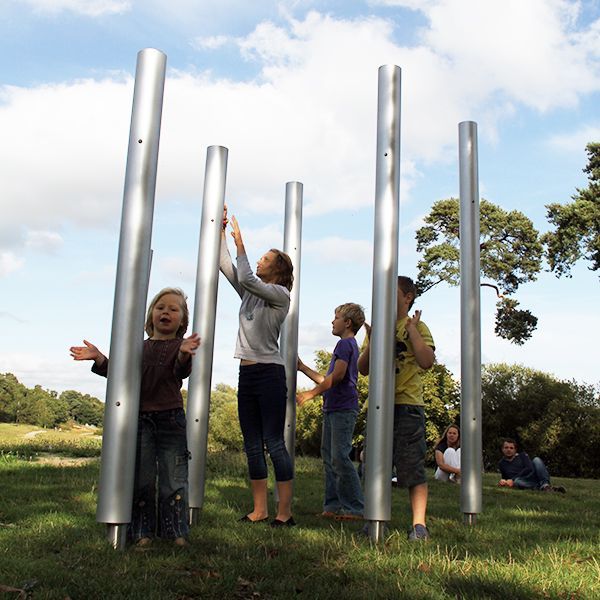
pixel 262 397
pixel 161 452
pixel 537 480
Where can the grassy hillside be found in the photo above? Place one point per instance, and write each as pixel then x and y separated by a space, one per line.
pixel 525 544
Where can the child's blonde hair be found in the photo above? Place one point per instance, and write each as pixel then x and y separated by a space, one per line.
pixel 354 312
pixel 185 318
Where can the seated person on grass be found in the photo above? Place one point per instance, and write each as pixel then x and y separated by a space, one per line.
pixel 519 471
pixel 447 455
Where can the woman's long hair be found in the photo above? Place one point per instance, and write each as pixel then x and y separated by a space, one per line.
pixel 284 270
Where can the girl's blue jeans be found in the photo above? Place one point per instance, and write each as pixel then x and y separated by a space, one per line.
pixel 161 466
pixel 343 493
pixel 262 396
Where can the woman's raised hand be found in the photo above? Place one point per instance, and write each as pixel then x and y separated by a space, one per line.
pixel 236 234
pixel 225 219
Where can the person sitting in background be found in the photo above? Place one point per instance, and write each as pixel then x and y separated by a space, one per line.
pixel 447 455
pixel 519 471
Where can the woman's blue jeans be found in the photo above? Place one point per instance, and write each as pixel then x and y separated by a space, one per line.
pixel 343 493
pixel 262 396
pixel 161 453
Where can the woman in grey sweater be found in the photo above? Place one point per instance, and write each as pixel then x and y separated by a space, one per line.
pixel 262 388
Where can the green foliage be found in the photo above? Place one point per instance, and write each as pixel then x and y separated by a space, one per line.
pixel 559 420
pixel 510 254
pixel 83 408
pixel 441 393
pixel 514 325
pixel 224 431
pixel 37 406
pixel 12 397
pixel 577 224
pixel 309 422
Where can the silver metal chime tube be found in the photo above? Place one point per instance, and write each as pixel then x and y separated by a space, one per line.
pixel 133 272
pixel 292 246
pixel 470 321
pixel 380 419
pixel 205 310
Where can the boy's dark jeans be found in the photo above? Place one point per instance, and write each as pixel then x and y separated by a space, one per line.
pixel 161 451
pixel 262 396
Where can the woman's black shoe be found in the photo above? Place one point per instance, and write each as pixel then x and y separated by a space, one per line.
pixel 247 519
pixel 289 523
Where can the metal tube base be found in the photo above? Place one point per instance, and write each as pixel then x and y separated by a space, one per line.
pixel 376 531
pixel 116 534
pixel 193 516
pixel 469 518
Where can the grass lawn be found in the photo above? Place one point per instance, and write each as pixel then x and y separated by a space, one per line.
pixel 525 544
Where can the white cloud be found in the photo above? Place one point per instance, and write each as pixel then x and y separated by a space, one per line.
pixel 64 164
pixel 575 141
pixel 44 241
pixel 9 263
pixel 89 8
pixel 309 117
pixel 211 42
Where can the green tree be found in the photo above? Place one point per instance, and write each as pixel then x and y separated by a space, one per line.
pixel 83 408
pixel 510 255
pixel 38 408
pixel 12 397
pixel 577 224
pixel 560 420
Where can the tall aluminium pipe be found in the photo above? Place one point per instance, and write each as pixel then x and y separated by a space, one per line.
pixel 380 419
pixel 131 290
pixel 205 309
pixel 470 337
pixel 292 245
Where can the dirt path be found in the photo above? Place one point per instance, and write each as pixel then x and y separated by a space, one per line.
pixel 32 434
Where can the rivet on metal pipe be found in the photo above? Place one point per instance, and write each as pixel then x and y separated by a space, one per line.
pixel 470 320
pixel 205 310
pixel 131 290
pixel 380 419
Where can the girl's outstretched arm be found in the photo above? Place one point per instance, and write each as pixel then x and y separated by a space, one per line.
pixel 87 352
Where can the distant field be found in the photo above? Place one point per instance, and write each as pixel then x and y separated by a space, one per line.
pixel 28 441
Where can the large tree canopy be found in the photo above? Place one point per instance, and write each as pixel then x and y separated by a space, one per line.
pixel 510 254
pixel 577 224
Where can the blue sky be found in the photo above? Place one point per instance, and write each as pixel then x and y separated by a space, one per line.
pixel 290 88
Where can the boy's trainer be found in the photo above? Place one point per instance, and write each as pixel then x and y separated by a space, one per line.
pixel 418 532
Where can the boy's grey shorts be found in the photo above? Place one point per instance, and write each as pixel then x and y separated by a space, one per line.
pixel 409 445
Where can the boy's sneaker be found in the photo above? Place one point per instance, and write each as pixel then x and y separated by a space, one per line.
pixel 418 533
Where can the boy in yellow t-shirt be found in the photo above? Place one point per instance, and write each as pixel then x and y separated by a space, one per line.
pixel 415 352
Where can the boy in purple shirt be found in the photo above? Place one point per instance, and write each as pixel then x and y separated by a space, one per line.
pixel 343 495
